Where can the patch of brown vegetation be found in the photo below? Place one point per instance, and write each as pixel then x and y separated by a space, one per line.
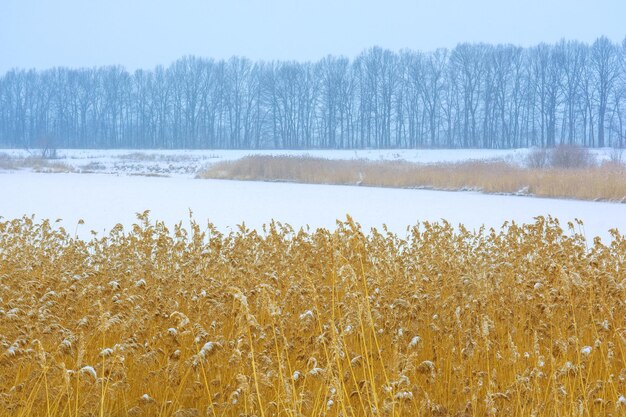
pixel 601 182
pixel 526 320
pixel 36 164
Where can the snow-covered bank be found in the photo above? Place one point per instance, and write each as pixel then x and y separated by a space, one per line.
pixel 105 200
pixel 189 162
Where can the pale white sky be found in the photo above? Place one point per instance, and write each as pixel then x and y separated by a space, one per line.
pixel 144 33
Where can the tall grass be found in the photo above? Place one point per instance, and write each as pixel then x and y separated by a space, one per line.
pixel 606 181
pixel 34 163
pixel 525 320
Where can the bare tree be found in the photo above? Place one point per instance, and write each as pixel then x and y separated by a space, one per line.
pixel 606 66
pixel 475 95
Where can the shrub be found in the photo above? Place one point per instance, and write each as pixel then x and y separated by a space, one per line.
pixel 616 155
pixel 570 156
pixel 537 158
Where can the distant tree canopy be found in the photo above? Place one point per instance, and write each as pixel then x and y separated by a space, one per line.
pixel 475 95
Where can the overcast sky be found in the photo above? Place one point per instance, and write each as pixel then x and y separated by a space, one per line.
pixel 145 33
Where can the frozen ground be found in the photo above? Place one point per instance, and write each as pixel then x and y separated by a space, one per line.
pixel 105 200
pixel 189 162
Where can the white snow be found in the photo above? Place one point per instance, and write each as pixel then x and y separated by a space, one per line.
pixel 106 352
pixel 145 398
pixel 105 200
pixel 89 370
pixel 11 351
pixel 414 342
pixel 307 315
pixel 206 349
pixel 316 371
pixel 404 395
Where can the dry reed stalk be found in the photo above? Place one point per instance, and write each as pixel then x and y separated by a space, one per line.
pixel 604 182
pixel 524 320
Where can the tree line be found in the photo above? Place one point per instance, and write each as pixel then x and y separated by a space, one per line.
pixel 475 95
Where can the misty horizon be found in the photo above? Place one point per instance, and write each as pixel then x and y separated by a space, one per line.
pixel 324 74
pixel 312 61
pixel 144 34
pixel 475 95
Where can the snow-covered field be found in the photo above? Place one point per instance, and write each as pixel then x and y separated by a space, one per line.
pixel 110 186
pixel 102 201
pixel 189 162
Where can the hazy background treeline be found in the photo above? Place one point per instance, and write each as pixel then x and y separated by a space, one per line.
pixel 475 95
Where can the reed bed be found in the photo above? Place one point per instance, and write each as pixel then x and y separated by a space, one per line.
pixel 36 164
pixel 528 320
pixel 602 182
